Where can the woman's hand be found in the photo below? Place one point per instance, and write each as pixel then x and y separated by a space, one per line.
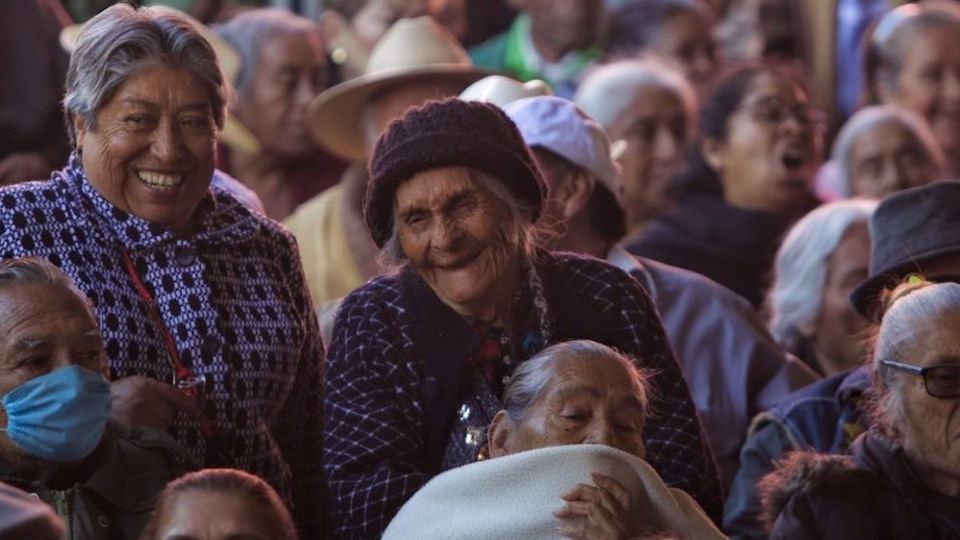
pixel 604 507
pixel 139 401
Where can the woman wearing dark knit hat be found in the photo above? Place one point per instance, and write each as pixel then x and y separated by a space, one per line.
pixel 420 356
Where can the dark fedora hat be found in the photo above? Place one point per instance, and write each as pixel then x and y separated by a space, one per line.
pixel 908 229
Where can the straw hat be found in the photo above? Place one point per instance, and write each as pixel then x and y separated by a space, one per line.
pixel 412 50
pixel 501 90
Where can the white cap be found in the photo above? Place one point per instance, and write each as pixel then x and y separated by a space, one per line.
pixel 501 90
pixel 560 126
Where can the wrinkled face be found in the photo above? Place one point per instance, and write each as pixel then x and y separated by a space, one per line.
pixel 565 24
pixel 377 16
pixel 655 130
pixel 454 232
pixel 587 401
pixel 290 71
pixel 929 83
pixel 838 334
pixel 888 158
pixel 207 515
pixel 932 425
pixel 687 39
pixel 769 157
pixel 153 149
pixel 42 328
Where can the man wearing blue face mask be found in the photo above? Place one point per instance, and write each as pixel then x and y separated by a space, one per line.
pixel 56 439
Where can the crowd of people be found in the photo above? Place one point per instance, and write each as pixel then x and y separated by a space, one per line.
pixel 455 269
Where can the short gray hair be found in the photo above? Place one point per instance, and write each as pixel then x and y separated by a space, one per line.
pixel 909 307
pixel 531 378
pixel 876 116
pixel 122 40
pixel 249 31
pixel 607 93
pixel 22 271
pixel 519 229
pixel 893 35
pixel 800 267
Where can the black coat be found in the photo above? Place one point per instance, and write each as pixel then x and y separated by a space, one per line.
pixel 730 245
pixel 871 494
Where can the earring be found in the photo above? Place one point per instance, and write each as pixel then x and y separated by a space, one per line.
pixel 339 55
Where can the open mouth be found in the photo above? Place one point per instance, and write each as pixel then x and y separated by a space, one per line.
pixel 160 181
pixel 793 158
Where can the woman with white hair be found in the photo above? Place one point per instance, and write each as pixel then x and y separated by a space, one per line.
pixel 569 461
pixel 651 110
pixel 882 149
pixel 902 479
pixel 823 257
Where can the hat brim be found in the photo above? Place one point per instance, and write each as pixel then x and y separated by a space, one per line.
pixel 335 121
pixel 864 296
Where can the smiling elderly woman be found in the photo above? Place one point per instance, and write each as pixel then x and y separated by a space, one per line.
pixel 419 357
pixel 191 288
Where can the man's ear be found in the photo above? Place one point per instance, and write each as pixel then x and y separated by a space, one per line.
pixel 577 190
pixel 498 435
pixel 712 151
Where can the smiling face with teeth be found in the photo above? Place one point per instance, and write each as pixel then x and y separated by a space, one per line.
pixel 767 159
pixel 152 151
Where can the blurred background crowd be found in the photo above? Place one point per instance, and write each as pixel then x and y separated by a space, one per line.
pixel 368 267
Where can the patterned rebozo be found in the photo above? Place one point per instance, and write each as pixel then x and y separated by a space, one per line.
pixel 232 296
pixel 397 353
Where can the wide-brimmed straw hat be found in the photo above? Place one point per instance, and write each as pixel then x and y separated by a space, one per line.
pixel 909 228
pixel 412 50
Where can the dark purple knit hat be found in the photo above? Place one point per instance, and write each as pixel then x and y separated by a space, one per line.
pixel 449 133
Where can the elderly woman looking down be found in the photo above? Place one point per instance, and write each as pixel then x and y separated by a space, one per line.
pixel 569 461
pixel 883 149
pixel 903 478
pixel 823 257
pixel 419 357
pixel 201 302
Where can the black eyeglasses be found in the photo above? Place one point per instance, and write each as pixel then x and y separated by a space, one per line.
pixel 942 381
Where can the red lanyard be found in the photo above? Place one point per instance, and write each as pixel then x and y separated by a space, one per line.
pixel 180 371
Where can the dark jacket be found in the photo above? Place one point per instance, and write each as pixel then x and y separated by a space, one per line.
pixel 730 245
pixel 824 417
pixel 112 492
pixel 398 359
pixel 871 494
pixel 739 374
pixel 233 297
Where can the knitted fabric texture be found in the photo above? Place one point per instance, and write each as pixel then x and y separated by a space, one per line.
pixel 449 133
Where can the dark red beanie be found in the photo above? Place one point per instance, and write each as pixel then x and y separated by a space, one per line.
pixel 449 133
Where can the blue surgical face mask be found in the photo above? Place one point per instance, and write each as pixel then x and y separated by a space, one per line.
pixel 59 416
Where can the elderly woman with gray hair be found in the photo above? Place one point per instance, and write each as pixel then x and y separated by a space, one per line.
pixel 882 149
pixel 823 257
pixel 207 325
pixel 420 356
pixel 651 110
pixel 569 461
pixel 902 479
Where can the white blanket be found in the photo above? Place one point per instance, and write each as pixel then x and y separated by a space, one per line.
pixel 515 497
